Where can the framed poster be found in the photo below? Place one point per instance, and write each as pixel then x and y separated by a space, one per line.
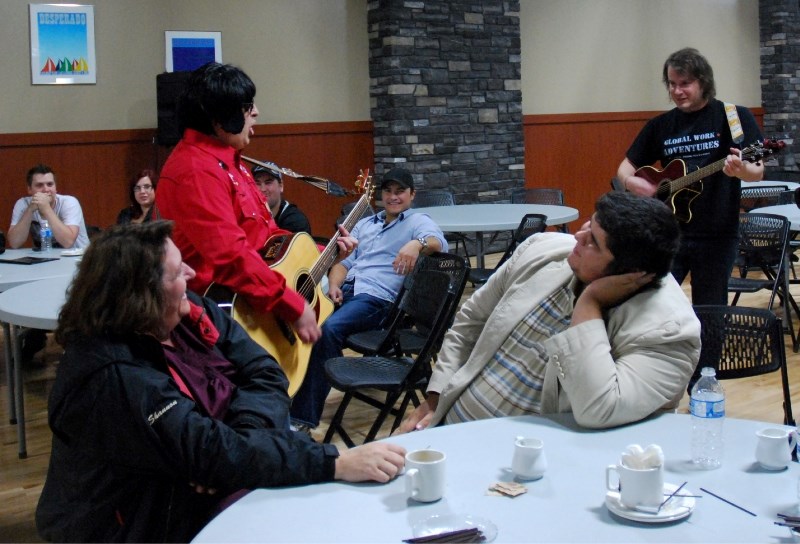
pixel 62 44
pixel 189 50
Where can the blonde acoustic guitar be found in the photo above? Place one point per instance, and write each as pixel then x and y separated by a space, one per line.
pixel 298 259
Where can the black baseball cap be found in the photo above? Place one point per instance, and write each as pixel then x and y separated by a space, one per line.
pixel 269 168
pixel 401 176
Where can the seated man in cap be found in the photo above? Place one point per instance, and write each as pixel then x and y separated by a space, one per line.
pixel 365 284
pixel 270 182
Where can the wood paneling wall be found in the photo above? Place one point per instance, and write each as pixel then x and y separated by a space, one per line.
pixel 576 152
pixel 95 166
pixel 580 152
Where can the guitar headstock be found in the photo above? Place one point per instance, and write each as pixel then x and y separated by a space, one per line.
pixel 759 150
pixel 364 183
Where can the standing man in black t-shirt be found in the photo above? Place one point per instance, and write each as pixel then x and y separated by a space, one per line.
pixel 287 215
pixel 698 131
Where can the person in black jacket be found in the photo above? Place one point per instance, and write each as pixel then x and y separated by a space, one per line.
pixel 287 215
pixel 163 409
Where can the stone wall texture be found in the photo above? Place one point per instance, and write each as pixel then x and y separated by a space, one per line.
pixel 779 22
pixel 446 98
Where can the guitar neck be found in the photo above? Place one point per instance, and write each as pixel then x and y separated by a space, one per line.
pixel 683 182
pixel 328 255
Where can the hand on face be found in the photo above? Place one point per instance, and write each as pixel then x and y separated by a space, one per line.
pixel 42 200
pixel 610 290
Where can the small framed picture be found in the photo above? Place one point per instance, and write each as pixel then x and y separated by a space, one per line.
pixel 187 50
pixel 62 44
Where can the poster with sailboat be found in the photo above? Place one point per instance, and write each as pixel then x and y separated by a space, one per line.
pixel 62 44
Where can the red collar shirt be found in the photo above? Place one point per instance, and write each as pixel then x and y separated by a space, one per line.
pixel 221 220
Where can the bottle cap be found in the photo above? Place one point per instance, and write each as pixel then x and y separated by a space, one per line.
pixel 708 371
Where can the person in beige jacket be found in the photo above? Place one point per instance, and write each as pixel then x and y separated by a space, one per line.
pixel 610 335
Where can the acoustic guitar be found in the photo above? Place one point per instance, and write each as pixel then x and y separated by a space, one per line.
pixel 678 189
pixel 298 259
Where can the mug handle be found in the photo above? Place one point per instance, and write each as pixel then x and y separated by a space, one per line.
pixel 609 469
pixel 792 440
pixel 412 488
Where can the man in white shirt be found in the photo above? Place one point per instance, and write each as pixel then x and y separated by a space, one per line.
pixel 43 202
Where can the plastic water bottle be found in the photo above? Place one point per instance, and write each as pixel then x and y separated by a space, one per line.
pixel 46 235
pixel 707 406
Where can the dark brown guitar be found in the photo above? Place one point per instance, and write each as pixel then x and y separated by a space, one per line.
pixel 678 189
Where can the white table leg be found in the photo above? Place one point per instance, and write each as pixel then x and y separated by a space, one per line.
pixel 479 249
pixel 19 392
pixel 12 408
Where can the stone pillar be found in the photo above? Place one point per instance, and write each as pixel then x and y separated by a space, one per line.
pixel 446 98
pixel 779 22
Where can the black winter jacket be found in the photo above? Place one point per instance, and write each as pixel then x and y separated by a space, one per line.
pixel 127 442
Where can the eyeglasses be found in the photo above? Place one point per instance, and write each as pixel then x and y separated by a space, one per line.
pixel 248 106
pixel 142 188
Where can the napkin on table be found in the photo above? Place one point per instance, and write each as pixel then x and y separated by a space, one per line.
pixel 637 457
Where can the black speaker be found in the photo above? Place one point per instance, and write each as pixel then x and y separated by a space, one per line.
pixel 169 87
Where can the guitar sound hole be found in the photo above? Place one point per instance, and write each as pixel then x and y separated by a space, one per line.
pixel 306 287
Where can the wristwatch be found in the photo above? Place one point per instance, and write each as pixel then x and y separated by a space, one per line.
pixel 424 241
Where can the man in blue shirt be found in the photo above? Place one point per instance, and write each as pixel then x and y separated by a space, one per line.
pixel 365 284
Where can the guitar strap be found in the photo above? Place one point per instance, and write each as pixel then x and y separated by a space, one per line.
pixel 733 121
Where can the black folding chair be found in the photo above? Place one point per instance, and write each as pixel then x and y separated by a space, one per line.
pixel 763 245
pixel 741 342
pixel 408 339
pixel 429 302
pixel 539 195
pixel 441 197
pixel 531 224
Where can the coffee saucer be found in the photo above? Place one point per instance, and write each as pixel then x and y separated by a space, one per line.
pixel 677 508
pixel 72 252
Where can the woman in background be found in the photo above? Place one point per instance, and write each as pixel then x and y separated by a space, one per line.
pixel 142 194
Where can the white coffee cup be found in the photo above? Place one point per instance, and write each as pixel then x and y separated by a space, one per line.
pixel 774 448
pixel 529 461
pixel 637 487
pixel 425 472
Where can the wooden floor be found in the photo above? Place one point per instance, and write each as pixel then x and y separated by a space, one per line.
pixel 21 481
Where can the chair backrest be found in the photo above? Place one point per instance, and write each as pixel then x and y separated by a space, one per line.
pixel 347 208
pixel 758 197
pixel 738 341
pixel 531 224
pixel 763 237
pixel 424 199
pixel 537 195
pixel 741 342
pixel 456 269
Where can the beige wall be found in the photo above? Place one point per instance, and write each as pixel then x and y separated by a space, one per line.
pixel 309 58
pixel 597 56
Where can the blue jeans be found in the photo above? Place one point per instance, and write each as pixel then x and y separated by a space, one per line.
pixel 710 261
pixel 356 314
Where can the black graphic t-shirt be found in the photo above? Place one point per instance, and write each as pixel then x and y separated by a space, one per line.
pixel 699 138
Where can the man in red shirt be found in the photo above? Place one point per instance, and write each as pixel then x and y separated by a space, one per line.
pixel 221 218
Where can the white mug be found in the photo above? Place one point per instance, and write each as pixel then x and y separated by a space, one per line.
pixel 774 448
pixel 425 471
pixel 529 461
pixel 637 487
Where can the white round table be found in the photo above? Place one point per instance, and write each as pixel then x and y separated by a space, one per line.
pixel 30 296
pixel 566 505
pixel 481 218
pixel 789 211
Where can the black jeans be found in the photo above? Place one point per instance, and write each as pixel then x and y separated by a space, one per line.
pixel 710 261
